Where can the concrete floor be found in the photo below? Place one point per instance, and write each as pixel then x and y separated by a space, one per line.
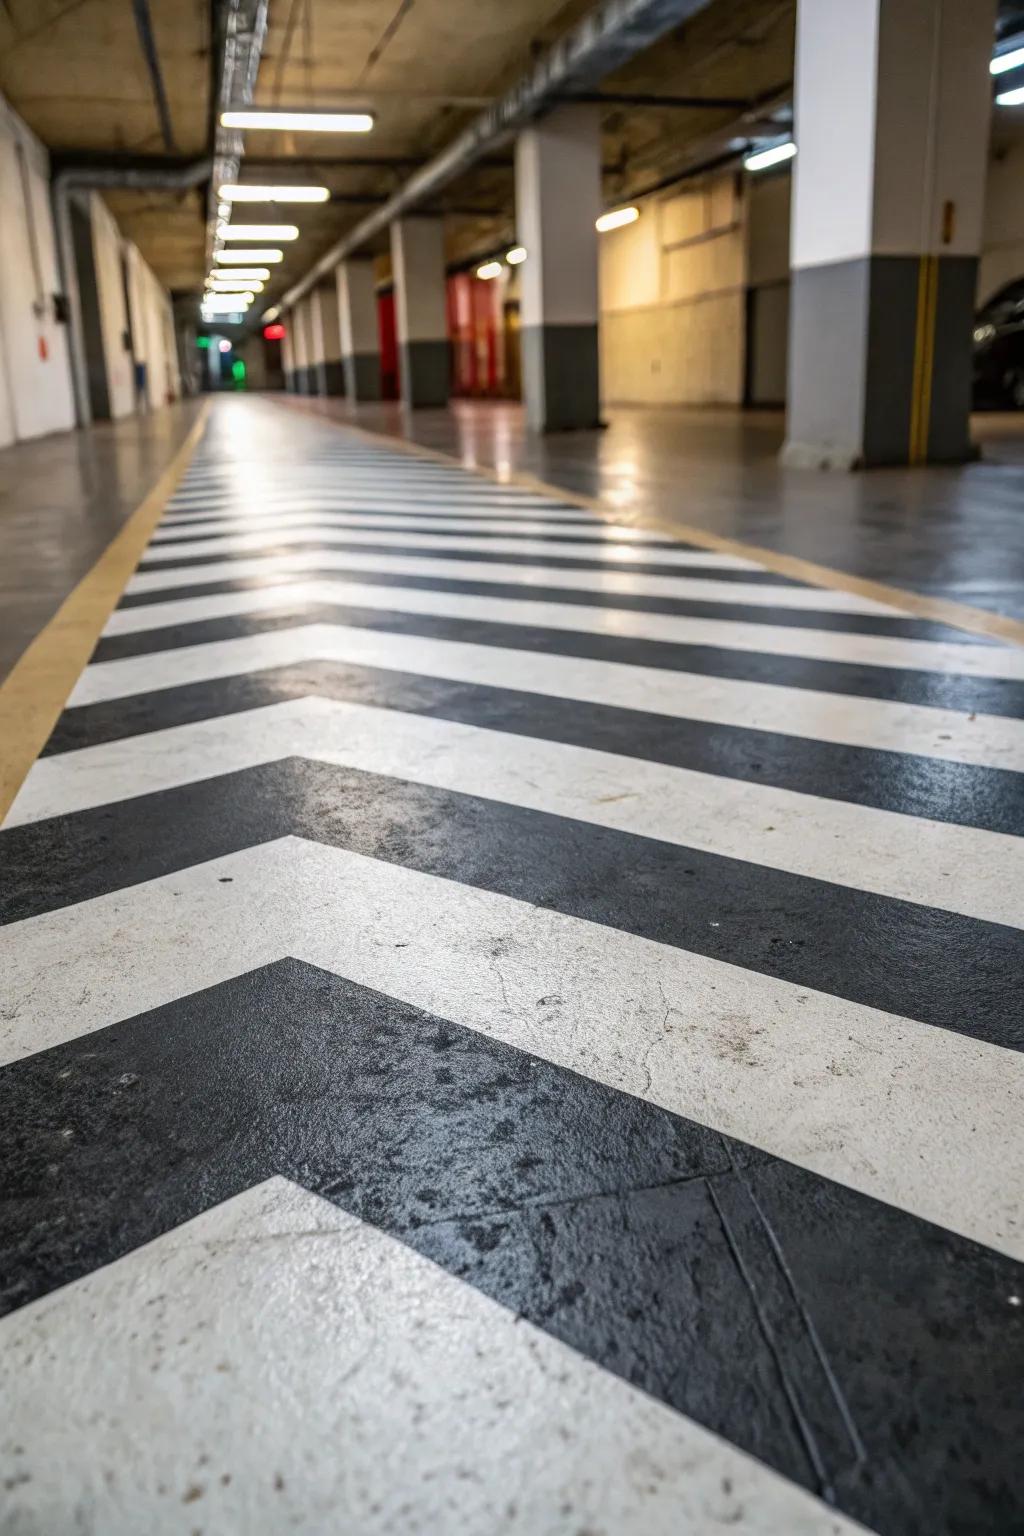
pixel 510 1024
pixel 957 533
pixel 62 499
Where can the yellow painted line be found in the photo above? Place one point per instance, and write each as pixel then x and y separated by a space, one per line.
pixel 34 693
pixel 941 610
pixel 924 358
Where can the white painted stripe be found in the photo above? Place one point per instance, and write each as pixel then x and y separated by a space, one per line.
pixel 921 1117
pixel 976 873
pixel 610 582
pixel 614 551
pixel 414 525
pixel 991 741
pixel 407 512
pixel 723 634
pixel 403 1400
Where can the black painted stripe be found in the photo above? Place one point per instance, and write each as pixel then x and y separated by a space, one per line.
pixel 863 1353
pixel 970 796
pixel 996 696
pixel 681 607
pixel 315 546
pixel 894 955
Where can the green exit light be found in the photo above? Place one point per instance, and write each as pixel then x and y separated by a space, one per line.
pixel 202 341
pixel 238 371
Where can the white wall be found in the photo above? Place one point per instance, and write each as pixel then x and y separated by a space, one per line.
pixel 672 299
pixel 35 378
pixel 1002 241
pixel 152 331
pixel 106 247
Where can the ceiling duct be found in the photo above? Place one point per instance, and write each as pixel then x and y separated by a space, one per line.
pixel 607 38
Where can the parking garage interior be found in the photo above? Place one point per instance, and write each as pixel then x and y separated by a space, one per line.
pixel 511 662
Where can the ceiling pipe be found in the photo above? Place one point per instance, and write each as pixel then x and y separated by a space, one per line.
pixel 243 26
pixel 607 37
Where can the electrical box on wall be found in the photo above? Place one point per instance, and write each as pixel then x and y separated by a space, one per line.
pixel 61 309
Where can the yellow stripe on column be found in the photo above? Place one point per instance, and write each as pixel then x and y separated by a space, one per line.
pixel 924 358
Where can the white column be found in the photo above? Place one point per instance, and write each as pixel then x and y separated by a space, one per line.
pixel 324 312
pixel 892 115
pixel 288 351
pixel 360 333
pixel 558 198
pixel 417 260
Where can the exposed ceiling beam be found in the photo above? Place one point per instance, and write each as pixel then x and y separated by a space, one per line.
pixel 147 42
pixel 607 37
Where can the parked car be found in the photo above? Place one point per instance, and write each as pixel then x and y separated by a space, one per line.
pixel 999 349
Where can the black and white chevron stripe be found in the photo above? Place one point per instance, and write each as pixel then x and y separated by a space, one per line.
pixel 510 1023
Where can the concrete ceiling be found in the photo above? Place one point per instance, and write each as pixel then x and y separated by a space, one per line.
pixel 75 70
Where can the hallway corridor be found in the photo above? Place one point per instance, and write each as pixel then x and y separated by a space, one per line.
pixel 511 1024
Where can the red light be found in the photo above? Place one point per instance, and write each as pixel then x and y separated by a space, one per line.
pixel 273 332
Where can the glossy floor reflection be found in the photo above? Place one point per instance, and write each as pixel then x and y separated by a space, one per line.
pixel 953 532
pixel 62 499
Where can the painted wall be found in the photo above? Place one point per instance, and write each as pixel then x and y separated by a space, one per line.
pixel 152 328
pixel 35 379
pixel 767 329
pixel 1002 241
pixel 672 299
pixel 107 249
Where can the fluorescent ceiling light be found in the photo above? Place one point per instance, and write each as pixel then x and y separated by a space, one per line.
pixel 259 232
pixel 223 210
pixel 242 274
pixel 1004 61
pixel 271 314
pixel 1011 98
pixel 302 122
pixel 217 301
pixel 761 159
pixel 616 219
pixel 237 258
pixel 213 286
pixel 516 255
pixel 489 269
pixel 236 193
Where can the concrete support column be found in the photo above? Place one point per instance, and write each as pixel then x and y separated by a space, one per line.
pixel 417 261
pixel 311 335
pixel 892 115
pixel 558 197
pixel 288 352
pixel 300 348
pixel 327 343
pixel 360 333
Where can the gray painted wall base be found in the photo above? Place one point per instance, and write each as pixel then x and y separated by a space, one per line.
pixel 362 375
pixel 853 327
pixel 332 377
pixel 425 369
pixel 560 377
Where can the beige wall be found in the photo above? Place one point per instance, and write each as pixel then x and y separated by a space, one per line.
pixel 152 331
pixel 35 377
pixel 672 299
pixel 152 320
pixel 1002 241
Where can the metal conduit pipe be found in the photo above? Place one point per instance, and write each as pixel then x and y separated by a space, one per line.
pixel 607 37
pixel 244 24
pixel 94 179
